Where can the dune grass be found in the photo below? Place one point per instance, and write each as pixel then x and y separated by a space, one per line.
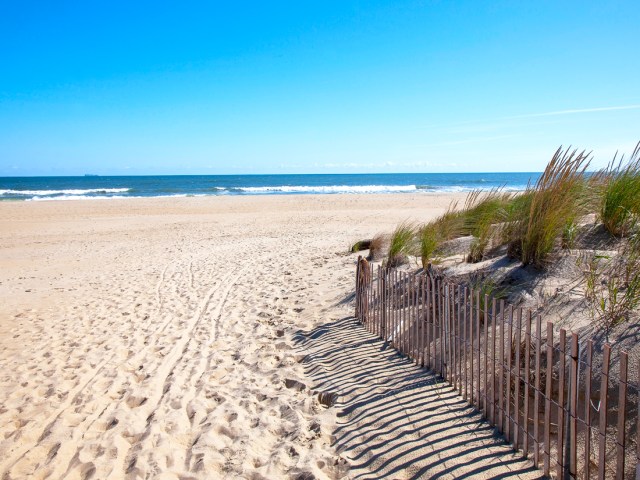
pixel 431 235
pixel 548 207
pixel 401 244
pixel 620 201
pixel 483 210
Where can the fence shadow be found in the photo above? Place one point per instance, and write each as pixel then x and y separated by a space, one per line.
pixel 395 418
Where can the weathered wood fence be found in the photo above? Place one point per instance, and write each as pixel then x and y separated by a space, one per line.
pixel 553 397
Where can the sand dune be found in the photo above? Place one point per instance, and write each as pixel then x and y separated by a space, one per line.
pixel 160 338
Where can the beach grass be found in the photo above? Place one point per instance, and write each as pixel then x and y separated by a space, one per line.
pixel 401 244
pixel 620 200
pixel 431 235
pixel 556 200
pixel 483 210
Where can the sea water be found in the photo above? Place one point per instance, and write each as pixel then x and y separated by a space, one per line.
pixel 91 186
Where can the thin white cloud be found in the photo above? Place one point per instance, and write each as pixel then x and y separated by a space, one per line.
pixel 578 110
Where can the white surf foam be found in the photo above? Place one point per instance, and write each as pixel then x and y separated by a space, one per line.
pixel 63 192
pixel 330 189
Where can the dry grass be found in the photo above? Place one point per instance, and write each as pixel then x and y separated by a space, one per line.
pixel 377 247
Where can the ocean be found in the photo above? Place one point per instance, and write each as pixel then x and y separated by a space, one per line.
pixel 92 187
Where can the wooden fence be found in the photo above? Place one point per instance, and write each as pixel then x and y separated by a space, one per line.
pixel 553 397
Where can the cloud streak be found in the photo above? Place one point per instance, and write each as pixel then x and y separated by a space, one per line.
pixel 578 110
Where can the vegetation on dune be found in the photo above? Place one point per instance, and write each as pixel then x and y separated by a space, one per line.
pixel 620 198
pixel 483 210
pixel 429 242
pixel 431 235
pixel 536 223
pixel 556 200
pixel 401 244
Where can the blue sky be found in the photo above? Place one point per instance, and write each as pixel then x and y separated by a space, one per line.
pixel 314 87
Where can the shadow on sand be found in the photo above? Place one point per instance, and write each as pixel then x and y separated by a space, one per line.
pixel 396 420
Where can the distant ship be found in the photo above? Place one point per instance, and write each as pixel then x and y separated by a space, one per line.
pixel 90 175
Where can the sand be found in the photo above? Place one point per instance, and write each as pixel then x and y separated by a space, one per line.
pixel 178 339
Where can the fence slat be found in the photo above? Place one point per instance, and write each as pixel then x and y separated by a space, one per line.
pixel 604 397
pixel 493 361
pixel 460 338
pixel 587 411
pixel 402 311
pixel 433 320
pixel 452 336
pixel 561 411
pixel 536 399
pixel 527 381
pixel 516 398
pixel 417 321
pixel 622 416
pixel 396 310
pixel 501 364
pixel 486 356
pixel 509 426
pixel 427 328
pixel 422 310
pixel 479 337
pixel 573 407
pixel 358 267
pixel 547 401
pixel 465 341
pixel 471 338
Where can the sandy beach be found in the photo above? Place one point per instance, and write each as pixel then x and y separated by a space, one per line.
pixel 174 338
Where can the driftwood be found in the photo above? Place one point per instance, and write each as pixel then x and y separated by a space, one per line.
pixel 361 245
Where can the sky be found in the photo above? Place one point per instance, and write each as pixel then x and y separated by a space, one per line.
pixel 134 88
